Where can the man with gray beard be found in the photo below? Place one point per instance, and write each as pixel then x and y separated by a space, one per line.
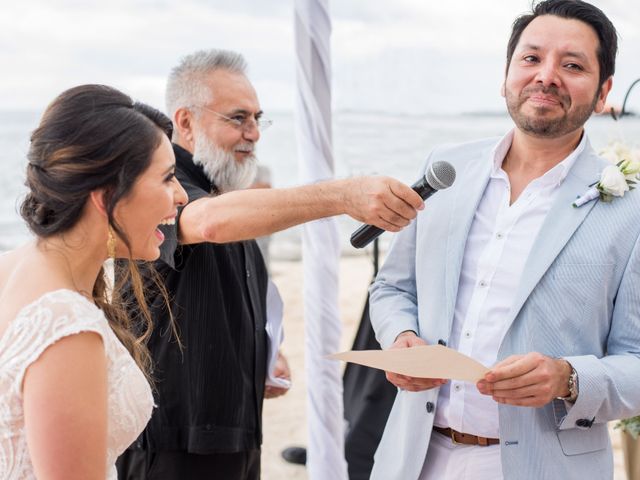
pixel 221 166
pixel 209 393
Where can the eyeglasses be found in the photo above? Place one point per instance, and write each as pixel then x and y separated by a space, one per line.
pixel 241 121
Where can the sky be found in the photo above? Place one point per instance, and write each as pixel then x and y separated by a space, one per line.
pixel 406 56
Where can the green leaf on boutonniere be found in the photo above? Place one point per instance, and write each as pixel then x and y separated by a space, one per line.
pixel 630 425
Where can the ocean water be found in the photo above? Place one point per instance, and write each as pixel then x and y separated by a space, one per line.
pixel 364 143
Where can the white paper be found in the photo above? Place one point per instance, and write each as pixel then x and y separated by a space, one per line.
pixel 275 335
pixel 424 361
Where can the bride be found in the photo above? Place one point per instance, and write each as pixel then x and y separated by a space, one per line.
pixel 74 389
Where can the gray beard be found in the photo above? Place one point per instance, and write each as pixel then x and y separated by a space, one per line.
pixel 222 168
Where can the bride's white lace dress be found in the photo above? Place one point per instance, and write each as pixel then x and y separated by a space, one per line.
pixel 40 324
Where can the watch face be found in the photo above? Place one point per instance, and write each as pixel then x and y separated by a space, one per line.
pixel 572 385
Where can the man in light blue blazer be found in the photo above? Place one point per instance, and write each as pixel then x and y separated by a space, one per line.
pixel 503 268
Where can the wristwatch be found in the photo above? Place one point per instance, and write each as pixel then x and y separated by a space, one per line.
pixel 572 386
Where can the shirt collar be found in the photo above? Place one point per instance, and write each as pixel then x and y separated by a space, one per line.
pixel 555 176
pixel 184 159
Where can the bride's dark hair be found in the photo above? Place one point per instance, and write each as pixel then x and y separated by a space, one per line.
pixel 95 137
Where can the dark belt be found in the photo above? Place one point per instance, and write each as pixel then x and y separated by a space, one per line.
pixel 466 438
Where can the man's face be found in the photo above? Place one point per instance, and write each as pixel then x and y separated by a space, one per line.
pixel 225 149
pixel 551 87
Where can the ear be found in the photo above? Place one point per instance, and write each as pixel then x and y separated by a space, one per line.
pixel 184 122
pixel 602 95
pixel 97 199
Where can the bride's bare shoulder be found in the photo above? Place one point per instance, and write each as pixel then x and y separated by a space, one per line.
pixel 24 277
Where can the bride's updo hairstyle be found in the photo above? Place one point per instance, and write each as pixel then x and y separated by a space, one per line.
pixel 94 137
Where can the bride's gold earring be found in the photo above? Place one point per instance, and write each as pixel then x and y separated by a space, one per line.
pixel 111 243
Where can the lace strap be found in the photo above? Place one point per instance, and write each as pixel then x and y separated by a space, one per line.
pixel 52 317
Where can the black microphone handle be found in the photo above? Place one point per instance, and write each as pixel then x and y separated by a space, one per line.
pixel 366 233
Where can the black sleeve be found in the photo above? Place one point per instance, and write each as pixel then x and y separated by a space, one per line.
pixel 170 250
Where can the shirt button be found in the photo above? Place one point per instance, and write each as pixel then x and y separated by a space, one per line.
pixel 482 283
pixel 467 334
pixel 442 342
pixel 499 236
pixel 248 273
pixel 457 387
pixel 430 407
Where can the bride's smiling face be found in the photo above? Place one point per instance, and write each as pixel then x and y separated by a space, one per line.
pixel 153 200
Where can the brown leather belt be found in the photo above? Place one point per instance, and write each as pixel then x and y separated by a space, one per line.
pixel 466 438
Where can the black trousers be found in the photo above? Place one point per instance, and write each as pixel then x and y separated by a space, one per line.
pixel 136 464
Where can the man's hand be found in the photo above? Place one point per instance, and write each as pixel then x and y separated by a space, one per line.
pixel 530 380
pixel 381 201
pixel 281 370
pixel 412 384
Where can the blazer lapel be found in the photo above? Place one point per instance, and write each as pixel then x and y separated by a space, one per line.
pixel 468 196
pixel 559 226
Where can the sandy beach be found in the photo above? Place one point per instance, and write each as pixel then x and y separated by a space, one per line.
pixel 285 417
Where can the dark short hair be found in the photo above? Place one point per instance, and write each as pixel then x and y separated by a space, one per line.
pixel 576 10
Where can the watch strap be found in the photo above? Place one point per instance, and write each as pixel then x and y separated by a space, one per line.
pixel 572 385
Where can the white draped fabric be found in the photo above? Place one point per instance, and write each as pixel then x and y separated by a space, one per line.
pixel 321 246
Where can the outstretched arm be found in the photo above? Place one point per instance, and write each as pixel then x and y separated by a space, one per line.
pixel 241 215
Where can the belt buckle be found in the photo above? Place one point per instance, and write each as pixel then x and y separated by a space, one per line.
pixel 453 437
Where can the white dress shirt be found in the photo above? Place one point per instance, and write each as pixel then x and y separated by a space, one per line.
pixel 499 242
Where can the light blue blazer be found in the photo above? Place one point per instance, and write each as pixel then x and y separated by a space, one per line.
pixel 579 298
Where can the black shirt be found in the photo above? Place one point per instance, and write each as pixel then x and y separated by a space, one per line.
pixel 208 395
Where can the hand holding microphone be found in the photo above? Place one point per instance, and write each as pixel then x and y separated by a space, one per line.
pixel 440 175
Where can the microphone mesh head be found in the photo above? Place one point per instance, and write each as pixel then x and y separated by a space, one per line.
pixel 441 175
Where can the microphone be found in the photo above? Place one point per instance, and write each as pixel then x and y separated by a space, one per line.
pixel 440 175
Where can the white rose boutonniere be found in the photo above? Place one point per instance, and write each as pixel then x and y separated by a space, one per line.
pixel 615 179
pixel 613 182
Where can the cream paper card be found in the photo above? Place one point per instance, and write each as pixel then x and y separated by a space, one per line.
pixel 424 361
